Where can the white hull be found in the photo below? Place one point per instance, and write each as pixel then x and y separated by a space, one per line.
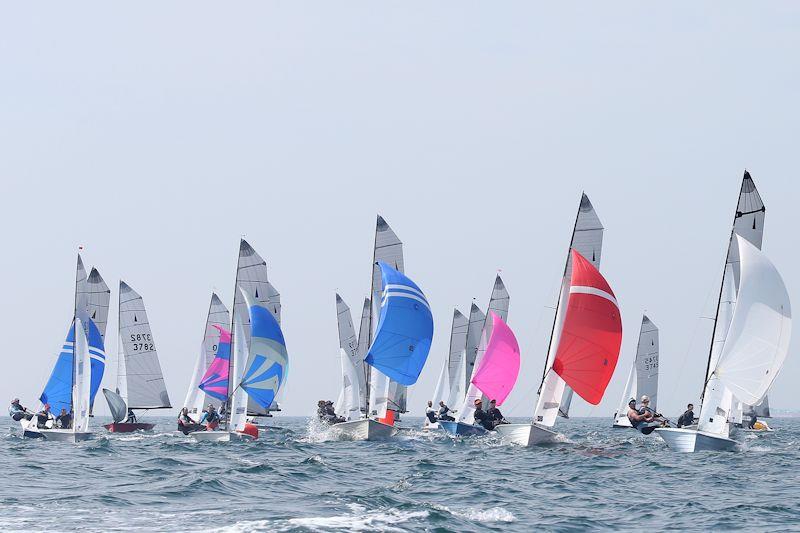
pixel 65 435
pixel 689 440
pixel 526 434
pixel 366 429
pixel 219 436
pixel 622 422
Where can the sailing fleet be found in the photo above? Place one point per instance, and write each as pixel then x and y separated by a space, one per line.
pixel 242 366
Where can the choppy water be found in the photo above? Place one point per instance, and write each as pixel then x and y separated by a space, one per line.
pixel 294 479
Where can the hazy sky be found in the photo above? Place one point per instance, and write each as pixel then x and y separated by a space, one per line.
pixel 156 134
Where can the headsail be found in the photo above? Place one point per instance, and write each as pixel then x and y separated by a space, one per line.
pixel 119 409
pixel 405 329
pixel 348 343
pixel 82 379
pixel 592 333
pixel 268 361
pixel 145 382
pixel 500 364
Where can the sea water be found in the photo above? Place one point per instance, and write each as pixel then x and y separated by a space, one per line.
pixel 297 478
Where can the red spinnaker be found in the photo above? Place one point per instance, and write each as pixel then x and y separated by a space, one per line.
pixel 592 333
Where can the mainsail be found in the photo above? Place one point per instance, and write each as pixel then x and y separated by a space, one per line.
pixel 477 319
pixel 643 378
pixel 218 318
pixel 144 381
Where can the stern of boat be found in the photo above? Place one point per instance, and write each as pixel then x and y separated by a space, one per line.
pixel 689 440
pixel 526 434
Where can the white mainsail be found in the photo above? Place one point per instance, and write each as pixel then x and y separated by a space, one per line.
pixel 757 341
pixel 239 355
pixel 218 317
pixel 98 300
pixel 144 381
pixel 348 345
pixel 82 379
pixel 384 394
pixel 555 396
pixel 643 377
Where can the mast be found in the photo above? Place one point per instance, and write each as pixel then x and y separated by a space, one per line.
pixel 229 401
pixel 560 294
pixel 74 342
pixel 737 215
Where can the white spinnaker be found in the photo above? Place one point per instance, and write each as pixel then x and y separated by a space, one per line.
pixel 145 382
pixel 389 249
pixel 348 342
pixel 476 322
pixel 99 300
pixel 553 387
pixel 219 316
pixel 239 353
pixel 587 239
pixel 760 329
pixel 351 398
pixel 82 380
pixel 647 362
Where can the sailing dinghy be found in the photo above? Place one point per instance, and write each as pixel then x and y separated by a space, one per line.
pixel 496 374
pixel 398 352
pixel 140 382
pixel 449 387
pixel 585 339
pixel 751 335
pixel 643 378
pixel 70 384
pixel 209 386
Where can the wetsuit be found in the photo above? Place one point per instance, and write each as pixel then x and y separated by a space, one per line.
pixel 64 421
pixel 686 419
pixel 443 410
pixel 186 425
pixel 17 412
pixel 496 416
pixel 483 419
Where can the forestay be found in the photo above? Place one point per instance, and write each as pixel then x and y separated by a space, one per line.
pixel 142 371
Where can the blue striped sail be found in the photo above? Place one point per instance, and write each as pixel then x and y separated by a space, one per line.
pixel 267 361
pixel 58 390
pixel 405 329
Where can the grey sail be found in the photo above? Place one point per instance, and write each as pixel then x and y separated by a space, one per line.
pixel 748 221
pixel 251 275
pixel 349 343
pixel 458 344
pixel 119 411
pixel 99 299
pixel 760 410
pixel 363 330
pixel 388 249
pixel 142 371
pixel 647 362
pixel 474 330
pixel 587 240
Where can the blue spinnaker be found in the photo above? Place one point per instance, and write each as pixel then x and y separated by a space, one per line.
pixel 267 361
pixel 405 329
pixel 58 391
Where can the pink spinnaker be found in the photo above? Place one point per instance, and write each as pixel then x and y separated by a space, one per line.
pixel 500 364
pixel 215 380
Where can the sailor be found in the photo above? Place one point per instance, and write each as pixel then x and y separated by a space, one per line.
pixel 18 412
pixel 687 418
pixel 481 418
pixel 131 417
pixel 43 417
pixel 321 410
pixel 443 410
pixel 495 415
pixel 330 413
pixel 185 422
pixel 753 421
pixel 210 417
pixel 430 413
pixel 633 413
pixel 64 419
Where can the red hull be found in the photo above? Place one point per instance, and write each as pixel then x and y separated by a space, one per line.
pixel 122 427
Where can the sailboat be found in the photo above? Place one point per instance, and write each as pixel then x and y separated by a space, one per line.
pixel 477 339
pixel 140 382
pixel 259 363
pixel 70 384
pixel 216 340
pixel 398 352
pixel 585 339
pixel 351 403
pixel 496 373
pixel 643 377
pixel 449 385
pixel 752 328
